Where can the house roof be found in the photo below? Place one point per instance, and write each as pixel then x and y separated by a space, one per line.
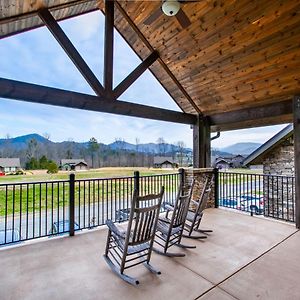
pixel 162 159
pixel 72 162
pixel 256 156
pixel 234 55
pixel 222 160
pixel 10 162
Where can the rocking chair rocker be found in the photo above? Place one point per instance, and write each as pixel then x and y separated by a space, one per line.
pixel 170 229
pixel 125 249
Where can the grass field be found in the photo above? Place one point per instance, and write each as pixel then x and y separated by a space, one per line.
pixel 41 175
pixel 27 197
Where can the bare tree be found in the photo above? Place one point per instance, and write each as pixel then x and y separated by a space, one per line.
pixel 180 152
pixel 32 149
pixel 46 135
pixel 7 151
pixel 93 147
pixel 162 146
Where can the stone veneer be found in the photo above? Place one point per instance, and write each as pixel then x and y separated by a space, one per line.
pixel 200 175
pixel 280 160
pixel 278 190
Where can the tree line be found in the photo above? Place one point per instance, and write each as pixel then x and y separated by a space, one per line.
pixel 37 154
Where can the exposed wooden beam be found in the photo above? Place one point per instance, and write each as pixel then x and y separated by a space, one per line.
pixel 165 67
pixel 135 74
pixel 252 117
pixel 71 51
pixel 17 90
pixel 201 143
pixel 109 47
pixel 296 107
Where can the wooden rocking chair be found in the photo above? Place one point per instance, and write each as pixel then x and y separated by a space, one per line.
pixel 170 229
pixel 133 247
pixel 194 215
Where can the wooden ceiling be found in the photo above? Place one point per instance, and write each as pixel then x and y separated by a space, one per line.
pixel 235 54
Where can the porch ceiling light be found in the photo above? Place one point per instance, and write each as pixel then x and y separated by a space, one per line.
pixel 170 7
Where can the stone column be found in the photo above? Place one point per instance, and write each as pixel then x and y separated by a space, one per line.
pixel 200 176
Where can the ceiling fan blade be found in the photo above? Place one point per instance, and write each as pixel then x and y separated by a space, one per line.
pixel 182 18
pixel 156 14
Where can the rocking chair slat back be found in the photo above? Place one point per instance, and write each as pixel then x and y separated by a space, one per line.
pixel 143 218
pixel 181 207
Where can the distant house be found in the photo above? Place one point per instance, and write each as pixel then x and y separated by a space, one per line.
pixel 229 162
pixel 164 162
pixel 222 163
pixel 73 164
pixel 9 165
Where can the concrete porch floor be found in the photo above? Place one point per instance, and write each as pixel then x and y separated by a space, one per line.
pixel 244 258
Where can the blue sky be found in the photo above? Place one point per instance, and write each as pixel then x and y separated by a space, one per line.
pixel 36 57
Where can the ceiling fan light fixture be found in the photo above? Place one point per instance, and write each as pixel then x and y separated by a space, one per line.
pixel 170 7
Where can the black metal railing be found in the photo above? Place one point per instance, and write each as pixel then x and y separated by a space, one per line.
pixel 269 195
pixel 41 209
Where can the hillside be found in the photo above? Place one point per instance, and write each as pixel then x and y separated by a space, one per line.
pixel 241 148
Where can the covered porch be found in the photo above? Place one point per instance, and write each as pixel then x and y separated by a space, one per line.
pixel 244 258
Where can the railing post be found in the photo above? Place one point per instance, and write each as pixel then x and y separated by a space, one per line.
pixel 137 181
pixel 216 177
pixel 181 176
pixel 71 204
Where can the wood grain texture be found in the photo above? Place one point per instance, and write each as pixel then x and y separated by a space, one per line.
pixel 234 55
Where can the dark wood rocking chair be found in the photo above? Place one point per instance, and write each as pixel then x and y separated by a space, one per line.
pixel 125 249
pixel 170 229
pixel 194 215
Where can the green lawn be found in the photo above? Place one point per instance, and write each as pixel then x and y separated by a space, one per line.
pixel 28 197
pixel 33 176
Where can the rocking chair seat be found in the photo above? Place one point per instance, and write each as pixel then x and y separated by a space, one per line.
pixel 164 227
pixel 119 234
pixel 191 216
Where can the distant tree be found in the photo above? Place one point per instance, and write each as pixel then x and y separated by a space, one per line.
pixel 173 151
pixel 120 149
pixel 69 154
pixel 31 151
pixel 52 167
pixel 137 144
pixel 32 164
pixel 180 152
pixel 162 146
pixel 43 162
pixel 6 152
pixel 93 147
pixel 46 135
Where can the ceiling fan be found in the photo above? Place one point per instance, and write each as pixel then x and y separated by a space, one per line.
pixel 171 8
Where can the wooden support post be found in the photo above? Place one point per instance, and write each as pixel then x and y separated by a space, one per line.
pixel 108 48
pixel 201 144
pixel 296 108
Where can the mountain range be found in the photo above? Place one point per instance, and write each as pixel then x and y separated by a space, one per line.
pixel 241 148
pixel 21 142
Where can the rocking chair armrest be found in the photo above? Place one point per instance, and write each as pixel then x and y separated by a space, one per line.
pixel 112 227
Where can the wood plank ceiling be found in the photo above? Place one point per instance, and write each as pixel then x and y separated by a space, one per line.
pixel 235 54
